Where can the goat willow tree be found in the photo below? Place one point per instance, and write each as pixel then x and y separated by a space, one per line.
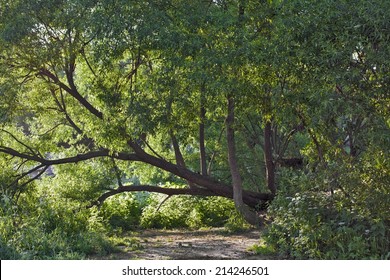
pixel 193 92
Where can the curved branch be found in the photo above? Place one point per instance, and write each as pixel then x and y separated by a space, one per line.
pixel 208 185
pixel 250 198
pixel 73 159
pixel 40 168
pixel 72 90
pixel 155 189
pixel 162 202
pixel 40 172
pixel 20 142
pixel 14 153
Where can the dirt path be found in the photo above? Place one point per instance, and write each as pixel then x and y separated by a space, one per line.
pixel 187 245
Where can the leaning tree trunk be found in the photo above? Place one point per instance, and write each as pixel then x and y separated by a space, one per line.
pixel 249 215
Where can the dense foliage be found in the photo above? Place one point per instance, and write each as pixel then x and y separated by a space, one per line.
pixel 312 223
pixel 278 106
pixel 42 225
pixel 46 225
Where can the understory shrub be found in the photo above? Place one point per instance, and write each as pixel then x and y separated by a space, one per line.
pixel 129 211
pixel 320 223
pixel 189 212
pixel 122 212
pixel 44 227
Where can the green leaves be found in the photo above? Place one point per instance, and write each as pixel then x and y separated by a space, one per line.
pixel 85 75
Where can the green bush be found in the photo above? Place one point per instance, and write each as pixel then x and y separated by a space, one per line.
pixel 316 223
pixel 43 226
pixel 7 252
pixel 236 222
pixel 188 212
pixel 173 213
pixel 122 211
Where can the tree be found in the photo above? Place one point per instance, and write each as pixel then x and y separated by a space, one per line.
pixel 216 96
pixel 82 85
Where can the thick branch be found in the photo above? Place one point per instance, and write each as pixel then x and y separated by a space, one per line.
pixel 250 198
pixel 236 177
pixel 207 185
pixel 176 148
pixel 155 189
pixel 74 159
pixel 178 155
pixel 72 90
pixel 178 170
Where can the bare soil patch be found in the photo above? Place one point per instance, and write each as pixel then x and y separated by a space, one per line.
pixel 214 244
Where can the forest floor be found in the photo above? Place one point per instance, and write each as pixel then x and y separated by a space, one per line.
pixel 215 244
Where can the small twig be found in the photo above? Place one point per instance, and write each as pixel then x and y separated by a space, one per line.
pixel 36 176
pixel 24 174
pixel 20 142
pixel 21 164
pixel 50 130
pixel 162 202
pixel 86 60
pixel 215 152
pixel 117 173
pixel 152 150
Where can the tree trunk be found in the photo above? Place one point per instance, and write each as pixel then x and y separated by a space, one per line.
pixel 202 147
pixel 269 163
pixel 243 209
